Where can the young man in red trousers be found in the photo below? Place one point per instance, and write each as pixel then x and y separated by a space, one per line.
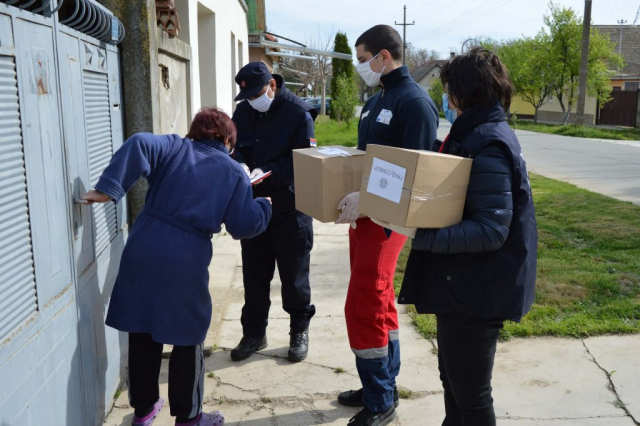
pixel 401 115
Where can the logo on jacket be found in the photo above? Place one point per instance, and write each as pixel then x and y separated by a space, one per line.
pixel 383 183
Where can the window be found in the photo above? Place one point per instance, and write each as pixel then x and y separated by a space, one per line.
pixel 632 86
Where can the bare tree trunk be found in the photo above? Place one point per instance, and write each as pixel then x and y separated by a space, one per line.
pixel 323 100
pixel 535 116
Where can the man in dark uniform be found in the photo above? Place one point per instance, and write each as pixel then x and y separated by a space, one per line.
pixel 271 123
pixel 401 115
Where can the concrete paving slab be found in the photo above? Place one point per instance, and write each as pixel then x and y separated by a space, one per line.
pixel 550 378
pixel 620 357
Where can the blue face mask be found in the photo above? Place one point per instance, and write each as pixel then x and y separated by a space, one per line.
pixel 449 114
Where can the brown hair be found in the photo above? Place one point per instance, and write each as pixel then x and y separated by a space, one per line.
pixel 381 37
pixel 477 78
pixel 213 123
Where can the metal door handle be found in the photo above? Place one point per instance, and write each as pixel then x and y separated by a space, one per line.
pixel 80 201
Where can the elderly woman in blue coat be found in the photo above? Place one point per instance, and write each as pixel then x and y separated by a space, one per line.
pixel 161 295
pixel 480 272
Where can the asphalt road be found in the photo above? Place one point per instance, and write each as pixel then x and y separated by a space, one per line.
pixel 608 167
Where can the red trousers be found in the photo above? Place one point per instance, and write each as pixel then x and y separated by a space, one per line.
pixel 370 309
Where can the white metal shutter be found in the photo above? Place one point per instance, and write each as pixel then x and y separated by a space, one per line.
pixel 98 116
pixel 18 300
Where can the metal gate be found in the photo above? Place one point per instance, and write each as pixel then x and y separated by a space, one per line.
pixel 621 110
pixel 60 122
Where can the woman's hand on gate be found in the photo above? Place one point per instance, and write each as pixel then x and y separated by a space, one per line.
pixel 94 196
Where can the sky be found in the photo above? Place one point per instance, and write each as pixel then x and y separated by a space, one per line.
pixel 439 25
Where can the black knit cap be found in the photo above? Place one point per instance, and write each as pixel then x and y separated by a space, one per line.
pixel 251 79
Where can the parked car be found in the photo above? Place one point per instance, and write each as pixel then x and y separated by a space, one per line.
pixel 317 102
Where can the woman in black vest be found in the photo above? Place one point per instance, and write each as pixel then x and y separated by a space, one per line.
pixel 480 272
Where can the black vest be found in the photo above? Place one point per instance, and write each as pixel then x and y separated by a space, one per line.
pixel 499 284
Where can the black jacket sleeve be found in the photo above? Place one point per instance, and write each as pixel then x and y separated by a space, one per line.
pixel 419 124
pixel 282 168
pixel 237 155
pixel 488 209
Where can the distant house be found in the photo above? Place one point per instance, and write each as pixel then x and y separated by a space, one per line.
pixel 429 72
pixel 628 77
pixel 625 79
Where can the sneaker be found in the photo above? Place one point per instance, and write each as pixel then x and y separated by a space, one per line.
pixel 149 418
pixel 354 398
pixel 298 345
pixel 247 346
pixel 368 418
pixel 206 419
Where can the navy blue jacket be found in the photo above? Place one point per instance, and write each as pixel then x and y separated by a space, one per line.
pixel 194 187
pixel 266 141
pixel 484 266
pixel 412 118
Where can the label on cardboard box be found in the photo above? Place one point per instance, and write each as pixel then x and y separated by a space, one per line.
pixel 386 180
pixel 333 152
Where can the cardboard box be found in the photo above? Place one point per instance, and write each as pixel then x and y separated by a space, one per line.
pixel 323 177
pixel 414 189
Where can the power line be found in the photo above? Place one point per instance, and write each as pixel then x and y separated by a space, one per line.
pixel 447 29
pixel 468 12
pixel 436 11
pixel 637 16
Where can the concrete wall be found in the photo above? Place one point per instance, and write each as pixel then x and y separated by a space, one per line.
pixel 210 27
pixel 258 55
pixel 620 83
pixel 521 108
pixel 551 111
pixel 174 84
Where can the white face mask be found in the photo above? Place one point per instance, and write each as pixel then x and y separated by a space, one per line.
pixel 263 103
pixel 369 76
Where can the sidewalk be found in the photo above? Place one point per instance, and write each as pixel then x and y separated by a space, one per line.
pixel 541 381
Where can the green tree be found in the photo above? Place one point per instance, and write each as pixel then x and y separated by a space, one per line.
pixel 436 91
pixel 340 67
pixel 344 100
pixel 530 67
pixel 565 32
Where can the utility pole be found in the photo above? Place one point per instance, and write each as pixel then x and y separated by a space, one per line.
pixel 584 63
pixel 621 22
pixel 404 35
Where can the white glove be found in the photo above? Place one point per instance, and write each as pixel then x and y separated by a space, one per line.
pixel 349 207
pixel 245 168
pixel 255 172
pixel 408 232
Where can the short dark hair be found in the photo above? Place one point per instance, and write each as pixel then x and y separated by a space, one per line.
pixel 213 123
pixel 381 37
pixel 477 77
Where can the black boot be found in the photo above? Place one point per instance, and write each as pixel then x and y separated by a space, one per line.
pixel 298 344
pixel 368 418
pixel 354 398
pixel 247 346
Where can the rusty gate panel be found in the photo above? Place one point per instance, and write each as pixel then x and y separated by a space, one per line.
pixel 621 110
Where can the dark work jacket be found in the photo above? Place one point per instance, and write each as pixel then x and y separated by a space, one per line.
pixel 266 141
pixel 413 122
pixel 484 266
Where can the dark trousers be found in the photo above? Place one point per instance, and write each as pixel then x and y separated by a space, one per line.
pixel 287 243
pixel 186 377
pixel 466 352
